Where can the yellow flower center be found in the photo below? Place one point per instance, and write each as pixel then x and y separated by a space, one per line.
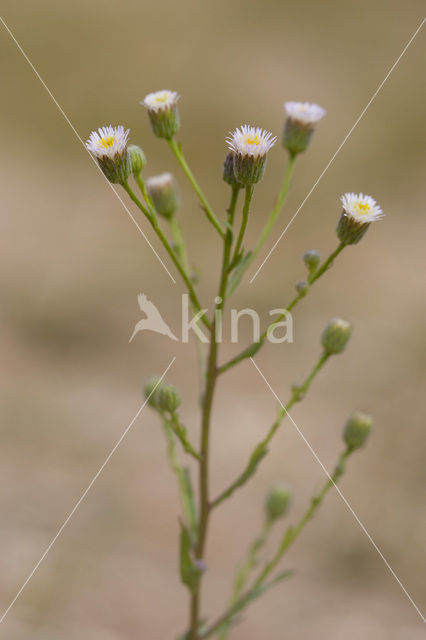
pixel 254 140
pixel 162 98
pixel 107 142
pixel 363 208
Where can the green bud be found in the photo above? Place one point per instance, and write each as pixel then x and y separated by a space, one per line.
pixel 278 501
pixel 302 288
pixel 228 170
pixel 357 429
pixel 162 396
pixel 311 260
pixel 163 113
pixel 168 398
pixel 336 335
pixel 151 391
pixel 163 192
pixel 137 158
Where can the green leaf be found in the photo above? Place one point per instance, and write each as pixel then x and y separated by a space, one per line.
pixel 189 571
pixel 189 501
pixel 238 273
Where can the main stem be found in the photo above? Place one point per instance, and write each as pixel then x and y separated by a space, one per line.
pixel 211 379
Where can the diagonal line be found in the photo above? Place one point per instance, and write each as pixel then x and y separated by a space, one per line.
pixel 341 494
pixel 82 142
pixel 84 494
pixel 333 157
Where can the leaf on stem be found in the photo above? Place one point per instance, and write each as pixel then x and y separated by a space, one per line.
pixel 239 266
pixel 189 570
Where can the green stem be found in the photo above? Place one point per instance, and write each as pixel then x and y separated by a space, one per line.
pixel 298 393
pixel 187 501
pixel 180 432
pixel 179 243
pixel 293 532
pixel 277 208
pixel 288 538
pixel 326 264
pixel 246 209
pixel 210 385
pixel 168 248
pixel 252 349
pixel 207 208
pixel 245 570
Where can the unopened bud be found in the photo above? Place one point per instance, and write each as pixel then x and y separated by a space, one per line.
pixel 162 396
pixel 137 158
pixel 302 288
pixel 163 192
pixel 311 260
pixel 151 391
pixel 278 501
pixel 228 170
pixel 336 335
pixel 357 429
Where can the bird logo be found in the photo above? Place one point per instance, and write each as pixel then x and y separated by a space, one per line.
pixel 153 320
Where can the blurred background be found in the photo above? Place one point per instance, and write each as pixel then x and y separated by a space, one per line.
pixel 72 263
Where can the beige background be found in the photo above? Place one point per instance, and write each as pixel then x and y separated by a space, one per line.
pixel 72 264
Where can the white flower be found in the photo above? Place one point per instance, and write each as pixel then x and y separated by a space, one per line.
pixel 108 142
pixel 160 100
pixel 361 208
pixel 160 181
pixel 248 141
pixel 305 112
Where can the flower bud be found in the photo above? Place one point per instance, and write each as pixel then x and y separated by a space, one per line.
pixel 277 502
pixel 163 113
pixel 109 146
pixel 336 335
pixel 302 288
pixel 168 398
pixel 137 158
pixel 359 211
pixel 250 147
pixel 299 125
pixel 228 170
pixel 311 260
pixel 162 396
pixel 163 192
pixel 357 429
pixel 151 391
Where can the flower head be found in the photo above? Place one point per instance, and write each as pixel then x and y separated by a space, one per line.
pixel 360 207
pixel 162 189
pixel 306 112
pixel 248 141
pixel 109 146
pixel 250 146
pixel 161 100
pixel 299 125
pixel 359 211
pixel 108 141
pixel 163 113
